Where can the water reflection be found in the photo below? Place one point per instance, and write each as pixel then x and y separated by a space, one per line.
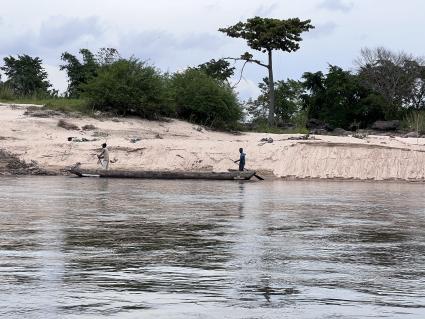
pixel 93 247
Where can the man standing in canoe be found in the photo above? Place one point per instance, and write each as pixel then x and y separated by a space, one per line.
pixel 241 160
pixel 104 157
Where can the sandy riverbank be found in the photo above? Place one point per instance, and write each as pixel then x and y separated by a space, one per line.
pixel 177 145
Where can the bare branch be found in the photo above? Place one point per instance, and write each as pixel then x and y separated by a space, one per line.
pixel 248 60
pixel 241 76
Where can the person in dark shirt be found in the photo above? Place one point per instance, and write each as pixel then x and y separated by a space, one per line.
pixel 241 160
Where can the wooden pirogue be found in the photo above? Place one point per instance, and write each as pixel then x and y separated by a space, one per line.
pixel 232 175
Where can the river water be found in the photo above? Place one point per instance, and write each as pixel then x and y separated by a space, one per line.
pixel 96 248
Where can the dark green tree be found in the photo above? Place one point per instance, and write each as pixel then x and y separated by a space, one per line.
pixel 397 77
pixel 202 99
pixel 79 72
pixel 217 69
pixel 127 87
pixel 267 35
pixel 26 75
pixel 339 99
pixel 288 101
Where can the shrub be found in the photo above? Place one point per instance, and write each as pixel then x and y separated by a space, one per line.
pixel 204 100
pixel 415 121
pixel 127 87
pixel 6 93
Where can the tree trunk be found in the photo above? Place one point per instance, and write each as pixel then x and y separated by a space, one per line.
pixel 271 90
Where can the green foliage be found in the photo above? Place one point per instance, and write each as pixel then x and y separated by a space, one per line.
pixel 398 77
pixel 415 121
pixel 288 101
pixel 202 99
pixel 79 72
pixel 339 99
pixel 25 76
pixel 289 113
pixel 219 69
pixel 6 93
pixel 299 120
pixel 265 34
pixel 62 104
pixel 127 87
pixel 261 125
pixel 66 105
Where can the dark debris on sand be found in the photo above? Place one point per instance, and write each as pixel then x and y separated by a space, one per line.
pixel 10 164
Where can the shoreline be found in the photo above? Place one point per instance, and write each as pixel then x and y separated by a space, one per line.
pixel 31 135
pixel 48 174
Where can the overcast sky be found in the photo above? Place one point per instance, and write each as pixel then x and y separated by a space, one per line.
pixel 174 34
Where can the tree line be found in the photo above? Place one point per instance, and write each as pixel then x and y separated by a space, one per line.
pixel 129 86
pixel 384 85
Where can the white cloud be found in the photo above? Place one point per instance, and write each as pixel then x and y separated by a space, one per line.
pixel 266 10
pixel 58 31
pixel 57 77
pixel 174 34
pixel 322 30
pixel 247 88
pixel 336 5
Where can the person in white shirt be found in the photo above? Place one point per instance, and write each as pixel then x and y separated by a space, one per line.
pixel 104 157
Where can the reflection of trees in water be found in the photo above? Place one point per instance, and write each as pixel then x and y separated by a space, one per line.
pixel 377 251
pixel 144 243
pixel 376 245
pixel 180 239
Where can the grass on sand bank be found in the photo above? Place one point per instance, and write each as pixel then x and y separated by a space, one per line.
pixel 54 103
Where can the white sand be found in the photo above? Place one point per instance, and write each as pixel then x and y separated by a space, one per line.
pixel 178 145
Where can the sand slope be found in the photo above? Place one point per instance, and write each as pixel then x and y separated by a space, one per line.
pixel 178 145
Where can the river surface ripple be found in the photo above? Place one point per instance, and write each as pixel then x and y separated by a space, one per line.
pixel 96 248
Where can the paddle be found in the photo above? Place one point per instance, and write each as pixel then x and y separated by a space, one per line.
pixel 245 169
pixel 255 175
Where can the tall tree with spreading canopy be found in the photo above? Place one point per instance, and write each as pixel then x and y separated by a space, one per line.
pixel 26 75
pixel 267 35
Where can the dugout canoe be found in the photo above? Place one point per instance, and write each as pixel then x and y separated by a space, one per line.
pixel 233 175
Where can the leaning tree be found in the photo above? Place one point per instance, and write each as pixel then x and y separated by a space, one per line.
pixel 266 35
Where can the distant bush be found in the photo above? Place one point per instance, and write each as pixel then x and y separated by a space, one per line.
pixel 415 121
pixel 6 93
pixel 127 87
pixel 202 99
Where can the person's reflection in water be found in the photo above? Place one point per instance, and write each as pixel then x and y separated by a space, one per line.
pixel 265 289
pixel 103 193
pixel 241 198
